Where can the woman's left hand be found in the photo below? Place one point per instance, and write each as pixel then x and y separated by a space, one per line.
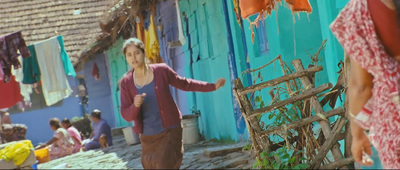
pixel 220 83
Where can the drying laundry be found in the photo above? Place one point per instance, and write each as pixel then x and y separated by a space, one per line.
pixel 25 90
pixel 9 93
pixel 1 73
pixel 95 72
pixel 152 47
pixel 265 7
pixel 181 37
pixel 31 68
pixel 140 28
pixel 54 81
pixel 250 7
pixel 68 67
pixel 9 46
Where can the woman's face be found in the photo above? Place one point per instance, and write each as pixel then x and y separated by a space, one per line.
pixel 53 128
pixel 134 56
pixel 65 125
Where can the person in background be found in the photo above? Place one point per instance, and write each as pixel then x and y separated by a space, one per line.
pixel 5 116
pixel 100 127
pixel 61 144
pixel 73 133
pixel 369 31
pixel 146 100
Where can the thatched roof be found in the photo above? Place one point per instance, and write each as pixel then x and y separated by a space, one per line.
pixel 119 21
pixel 76 20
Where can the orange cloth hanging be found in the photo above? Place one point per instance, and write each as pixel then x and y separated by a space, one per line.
pixel 250 7
pixel 299 5
pixel 140 29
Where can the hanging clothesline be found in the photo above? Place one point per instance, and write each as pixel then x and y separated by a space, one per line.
pixel 41 63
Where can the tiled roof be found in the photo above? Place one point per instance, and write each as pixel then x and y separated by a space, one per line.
pixel 76 20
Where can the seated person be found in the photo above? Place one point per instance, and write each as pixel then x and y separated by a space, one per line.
pixel 13 132
pixel 100 127
pixel 5 116
pixel 73 133
pixel 61 144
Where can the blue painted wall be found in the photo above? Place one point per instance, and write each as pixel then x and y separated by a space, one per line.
pixel 37 121
pixel 99 91
pixel 174 57
pixel 207 52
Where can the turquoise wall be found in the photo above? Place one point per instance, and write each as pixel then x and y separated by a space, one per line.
pixel 207 59
pixel 117 66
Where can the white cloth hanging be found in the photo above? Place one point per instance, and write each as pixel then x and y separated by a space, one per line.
pixel 25 89
pixel 54 81
pixel 182 38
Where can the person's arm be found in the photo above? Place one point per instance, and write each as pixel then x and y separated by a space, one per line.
pixel 76 140
pixel 48 143
pixel 128 109
pixel 91 135
pixel 188 84
pixel 360 91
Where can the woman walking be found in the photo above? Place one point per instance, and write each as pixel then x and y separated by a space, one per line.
pixel 369 32
pixel 146 100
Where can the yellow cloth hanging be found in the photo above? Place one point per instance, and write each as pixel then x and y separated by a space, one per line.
pixel 17 152
pixel 152 47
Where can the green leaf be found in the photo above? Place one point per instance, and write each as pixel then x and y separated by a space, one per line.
pixel 303 159
pixel 262 104
pixel 298 152
pixel 256 165
pixel 271 116
pixel 283 166
pixel 257 99
pixel 276 166
pixel 303 166
pixel 271 154
pixel 292 159
pixel 296 167
pixel 286 156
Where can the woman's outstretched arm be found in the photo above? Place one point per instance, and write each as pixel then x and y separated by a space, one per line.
pixel 191 84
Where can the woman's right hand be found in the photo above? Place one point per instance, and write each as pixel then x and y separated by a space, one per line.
pixel 359 145
pixel 138 100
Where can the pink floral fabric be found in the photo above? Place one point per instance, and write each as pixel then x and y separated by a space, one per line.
pixel 355 30
pixel 73 132
pixel 63 146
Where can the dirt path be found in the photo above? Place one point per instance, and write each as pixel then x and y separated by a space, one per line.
pixel 122 156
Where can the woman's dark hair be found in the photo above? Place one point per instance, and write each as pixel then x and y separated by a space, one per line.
pixel 66 121
pixel 397 5
pixel 96 113
pixel 55 122
pixel 133 41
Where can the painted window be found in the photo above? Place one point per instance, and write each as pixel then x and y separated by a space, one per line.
pixel 261 40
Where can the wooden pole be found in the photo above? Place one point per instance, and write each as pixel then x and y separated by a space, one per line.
pixel 329 143
pixel 338 164
pixel 302 96
pixel 245 108
pixel 279 80
pixel 337 154
pixel 305 121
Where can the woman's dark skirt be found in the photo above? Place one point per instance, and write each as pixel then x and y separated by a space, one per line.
pixel 164 150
